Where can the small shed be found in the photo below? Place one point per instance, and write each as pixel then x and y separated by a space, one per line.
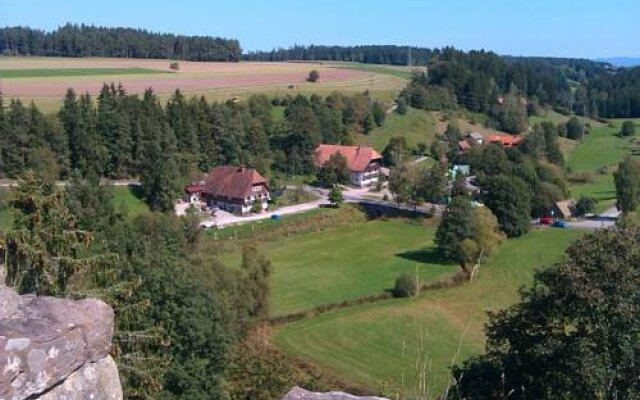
pixel 565 209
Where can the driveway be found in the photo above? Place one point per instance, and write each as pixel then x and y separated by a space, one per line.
pixel 224 218
pixel 605 220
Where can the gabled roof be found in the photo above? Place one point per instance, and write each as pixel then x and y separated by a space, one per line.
pixel 232 182
pixel 505 140
pixel 566 207
pixel 358 157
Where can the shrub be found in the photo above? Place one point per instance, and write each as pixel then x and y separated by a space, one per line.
pixel 174 66
pixel 585 205
pixel 628 129
pixel 314 75
pixel 406 285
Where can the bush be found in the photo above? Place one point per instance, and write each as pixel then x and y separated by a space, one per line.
pixel 406 285
pixel 314 75
pixel 174 66
pixel 628 129
pixel 585 205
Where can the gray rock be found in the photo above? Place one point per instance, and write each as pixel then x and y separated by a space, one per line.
pixel 95 381
pixel 44 340
pixel 300 394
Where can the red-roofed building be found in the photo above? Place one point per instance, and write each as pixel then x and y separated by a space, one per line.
pixel 364 162
pixel 194 191
pixel 505 140
pixel 236 189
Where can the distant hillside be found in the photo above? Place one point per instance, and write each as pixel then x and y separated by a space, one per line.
pixel 621 61
pixel 97 41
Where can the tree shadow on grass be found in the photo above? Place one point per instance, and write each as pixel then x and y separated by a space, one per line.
pixel 136 190
pixel 427 255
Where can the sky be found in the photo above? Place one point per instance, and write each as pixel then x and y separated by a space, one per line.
pixel 559 28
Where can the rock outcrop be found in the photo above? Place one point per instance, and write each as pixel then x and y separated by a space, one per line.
pixel 54 349
pixel 300 394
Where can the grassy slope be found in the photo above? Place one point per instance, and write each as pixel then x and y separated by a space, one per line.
pixel 416 126
pixel 365 344
pixel 601 148
pixel 392 70
pixel 346 263
pixel 54 72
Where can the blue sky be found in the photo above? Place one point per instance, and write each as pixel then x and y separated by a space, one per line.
pixel 586 28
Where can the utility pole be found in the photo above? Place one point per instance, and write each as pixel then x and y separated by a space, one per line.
pixel 409 57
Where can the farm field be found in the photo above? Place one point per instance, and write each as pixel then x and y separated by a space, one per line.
pixel 52 72
pixel 216 81
pixel 348 262
pixel 384 341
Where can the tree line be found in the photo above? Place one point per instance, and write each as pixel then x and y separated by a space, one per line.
pixel 73 40
pixel 120 135
pixel 372 54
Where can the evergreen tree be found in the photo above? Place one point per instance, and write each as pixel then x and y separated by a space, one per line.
pixel 510 201
pixel 455 226
pixel 627 181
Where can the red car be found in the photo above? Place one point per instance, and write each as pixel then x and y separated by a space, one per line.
pixel 546 220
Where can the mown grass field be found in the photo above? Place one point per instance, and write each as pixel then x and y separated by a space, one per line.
pixel 416 126
pixel 55 72
pixel 382 341
pixel 348 262
pixel 399 71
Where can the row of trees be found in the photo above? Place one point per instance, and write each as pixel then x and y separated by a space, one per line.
pixel 73 40
pixel 374 54
pixel 121 135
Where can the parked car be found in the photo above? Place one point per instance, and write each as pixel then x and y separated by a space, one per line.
pixel 560 224
pixel 546 220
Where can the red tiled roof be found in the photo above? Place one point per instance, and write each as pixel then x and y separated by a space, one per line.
pixel 194 188
pixel 232 182
pixel 358 157
pixel 505 140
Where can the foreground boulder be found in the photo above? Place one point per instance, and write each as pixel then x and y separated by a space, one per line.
pixel 56 349
pixel 300 394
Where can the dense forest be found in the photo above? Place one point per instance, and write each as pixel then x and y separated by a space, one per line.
pixel 486 82
pixel 83 41
pixel 373 54
pixel 122 135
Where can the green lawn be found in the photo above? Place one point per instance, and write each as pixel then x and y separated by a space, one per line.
pixel 600 148
pixel 416 126
pixel 392 70
pixel 348 262
pixel 123 196
pixel 54 72
pixel 383 341
pixel 6 219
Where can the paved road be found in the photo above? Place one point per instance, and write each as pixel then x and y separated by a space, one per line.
pixel 351 195
pixel 605 220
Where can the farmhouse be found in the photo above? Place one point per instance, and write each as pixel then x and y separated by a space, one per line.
pixel 505 141
pixel 364 162
pixel 470 140
pixel 236 189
